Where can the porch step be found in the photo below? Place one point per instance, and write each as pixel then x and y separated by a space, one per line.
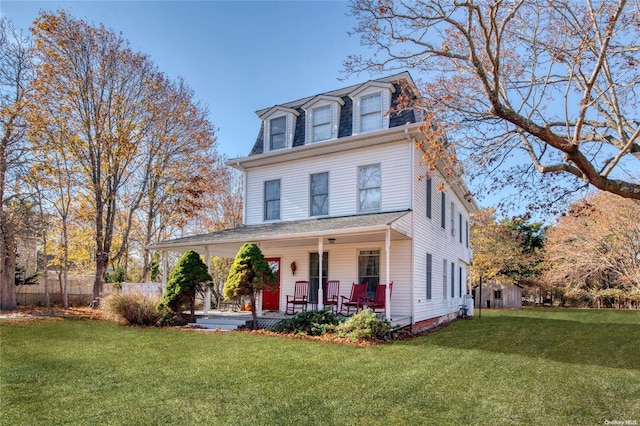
pixel 222 323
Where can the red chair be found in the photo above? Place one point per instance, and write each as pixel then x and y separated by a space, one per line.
pixel 331 293
pixel 380 299
pixel 299 298
pixel 358 291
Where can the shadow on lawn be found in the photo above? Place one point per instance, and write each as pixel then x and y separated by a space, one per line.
pixel 604 344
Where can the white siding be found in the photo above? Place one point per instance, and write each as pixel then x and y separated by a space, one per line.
pixel 430 237
pixel 343 182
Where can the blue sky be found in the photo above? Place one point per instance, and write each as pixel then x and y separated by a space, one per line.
pixel 238 56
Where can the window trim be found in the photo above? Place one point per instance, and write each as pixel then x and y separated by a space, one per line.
pixel 265 200
pixel 311 195
pixel 283 133
pixel 385 89
pixel 322 101
pixel 315 125
pixel 360 189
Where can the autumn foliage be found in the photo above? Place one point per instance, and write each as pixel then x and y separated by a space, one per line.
pixel 593 252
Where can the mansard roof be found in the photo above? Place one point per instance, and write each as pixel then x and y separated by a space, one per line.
pixel 344 97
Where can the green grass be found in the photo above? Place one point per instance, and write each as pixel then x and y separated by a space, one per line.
pixel 538 366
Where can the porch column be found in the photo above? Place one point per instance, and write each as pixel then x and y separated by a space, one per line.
pixel 207 293
pixel 165 267
pixel 320 289
pixel 387 293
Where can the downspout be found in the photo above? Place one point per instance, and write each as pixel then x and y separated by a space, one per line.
pixel 412 160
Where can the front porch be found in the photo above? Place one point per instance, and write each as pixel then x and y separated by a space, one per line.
pixel 317 250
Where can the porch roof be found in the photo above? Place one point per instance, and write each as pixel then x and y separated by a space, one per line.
pixel 354 228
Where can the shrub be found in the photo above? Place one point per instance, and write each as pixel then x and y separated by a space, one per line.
pixel 131 308
pixel 365 325
pixel 312 323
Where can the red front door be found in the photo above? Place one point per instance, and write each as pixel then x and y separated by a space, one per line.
pixel 271 296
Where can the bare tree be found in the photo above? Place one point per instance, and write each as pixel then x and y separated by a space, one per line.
pixel 521 87
pixel 16 71
pixel 90 79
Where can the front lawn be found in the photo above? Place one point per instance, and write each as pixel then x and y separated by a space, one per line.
pixel 535 366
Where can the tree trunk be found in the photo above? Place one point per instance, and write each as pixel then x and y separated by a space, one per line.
pixel 254 314
pixel 7 264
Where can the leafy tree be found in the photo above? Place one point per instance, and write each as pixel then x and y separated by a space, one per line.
pixel 520 87
pixel 593 251
pixel 188 278
pixel 16 71
pixel 249 274
pixel 509 248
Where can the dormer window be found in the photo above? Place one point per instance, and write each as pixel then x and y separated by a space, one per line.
pixel 371 101
pixel 278 133
pixel 321 118
pixel 322 115
pixel 279 125
pixel 371 113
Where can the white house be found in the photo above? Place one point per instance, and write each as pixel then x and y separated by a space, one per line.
pixel 333 184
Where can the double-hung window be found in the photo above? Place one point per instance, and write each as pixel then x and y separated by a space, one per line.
pixel 321 127
pixel 371 113
pixel 272 200
pixel 278 133
pixel 369 270
pixel 369 183
pixel 319 194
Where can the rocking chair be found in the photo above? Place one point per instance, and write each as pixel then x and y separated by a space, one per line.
pixel 380 299
pixel 299 298
pixel 331 293
pixel 358 291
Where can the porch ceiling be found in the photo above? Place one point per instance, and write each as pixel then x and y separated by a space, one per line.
pixel 346 229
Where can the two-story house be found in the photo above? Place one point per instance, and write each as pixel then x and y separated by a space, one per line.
pixel 333 190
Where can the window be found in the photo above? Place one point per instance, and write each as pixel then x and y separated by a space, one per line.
pixel 369 270
pixel 429 268
pixel 371 113
pixel 460 227
pixel 444 279
pixel 497 294
pixel 314 279
pixel 278 133
pixel 453 224
pixel 319 194
pixel 272 200
pixel 429 193
pixel 460 281
pixel 321 127
pixel 453 279
pixel 443 209
pixel 369 187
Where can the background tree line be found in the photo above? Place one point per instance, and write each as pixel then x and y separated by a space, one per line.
pixel 589 257
pixel 101 154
